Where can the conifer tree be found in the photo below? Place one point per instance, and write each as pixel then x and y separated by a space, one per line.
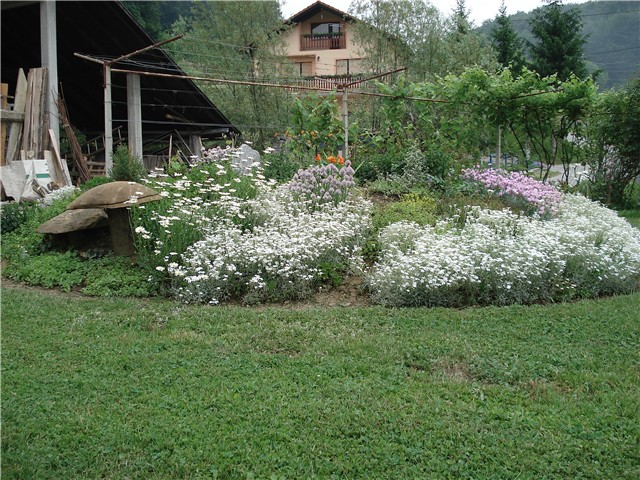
pixel 558 46
pixel 508 44
pixel 461 18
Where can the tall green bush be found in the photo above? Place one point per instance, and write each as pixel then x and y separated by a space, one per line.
pixel 126 166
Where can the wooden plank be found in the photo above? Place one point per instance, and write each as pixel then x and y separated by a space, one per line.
pixel 15 129
pixel 76 150
pixel 37 113
pixel 11 116
pixel 28 112
pixel 43 126
pixel 4 92
pixel 62 167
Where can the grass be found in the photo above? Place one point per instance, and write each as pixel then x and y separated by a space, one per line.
pixel 632 216
pixel 119 388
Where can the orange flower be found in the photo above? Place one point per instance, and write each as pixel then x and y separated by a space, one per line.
pixel 340 160
pixel 317 158
pixel 331 159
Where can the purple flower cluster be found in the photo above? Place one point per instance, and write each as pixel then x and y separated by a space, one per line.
pixel 323 184
pixel 543 198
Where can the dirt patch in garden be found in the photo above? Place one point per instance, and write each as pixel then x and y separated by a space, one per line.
pixel 349 294
pixel 12 284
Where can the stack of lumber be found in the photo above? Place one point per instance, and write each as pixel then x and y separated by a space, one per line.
pixel 35 137
pixel 29 157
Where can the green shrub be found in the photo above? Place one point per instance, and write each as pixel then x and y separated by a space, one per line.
pixel 372 166
pixel 282 166
pixel 395 186
pixel 94 182
pixel 413 207
pixel 24 240
pixel 417 207
pixel 416 172
pixel 126 166
pixel 14 214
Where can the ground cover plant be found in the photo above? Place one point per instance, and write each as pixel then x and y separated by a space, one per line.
pixel 125 388
pixel 566 247
pixel 31 259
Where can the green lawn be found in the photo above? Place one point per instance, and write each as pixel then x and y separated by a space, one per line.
pixel 154 389
pixel 632 216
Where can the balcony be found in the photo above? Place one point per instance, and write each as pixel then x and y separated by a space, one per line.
pixel 323 41
pixel 329 82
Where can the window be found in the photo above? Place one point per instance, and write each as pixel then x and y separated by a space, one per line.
pixel 325 28
pixel 348 66
pixel 303 69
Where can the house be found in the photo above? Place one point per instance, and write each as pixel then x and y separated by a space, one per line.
pixel 146 111
pixel 320 43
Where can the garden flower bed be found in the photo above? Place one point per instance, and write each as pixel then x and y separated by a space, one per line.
pixel 283 242
pixel 223 232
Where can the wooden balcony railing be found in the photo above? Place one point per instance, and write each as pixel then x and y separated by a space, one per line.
pixel 329 82
pixel 323 41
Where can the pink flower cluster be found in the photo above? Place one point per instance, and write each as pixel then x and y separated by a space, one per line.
pixel 542 197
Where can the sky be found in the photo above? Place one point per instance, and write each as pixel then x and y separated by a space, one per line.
pixel 480 10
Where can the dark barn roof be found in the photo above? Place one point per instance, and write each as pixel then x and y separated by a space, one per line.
pixel 107 30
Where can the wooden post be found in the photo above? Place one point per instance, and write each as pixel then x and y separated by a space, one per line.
pixel 345 119
pixel 134 115
pixel 498 160
pixel 195 144
pixel 49 59
pixel 108 124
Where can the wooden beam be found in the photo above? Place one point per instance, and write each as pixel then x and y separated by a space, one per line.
pixel 4 94
pixel 219 80
pixel 10 115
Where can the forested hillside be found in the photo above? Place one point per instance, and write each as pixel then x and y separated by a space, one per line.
pixel 613 43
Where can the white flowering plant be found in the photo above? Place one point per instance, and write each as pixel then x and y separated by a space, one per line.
pixel 285 257
pixel 193 198
pixel 223 233
pixel 500 257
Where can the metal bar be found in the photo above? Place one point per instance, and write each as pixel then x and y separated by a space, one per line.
pixel 142 50
pixel 216 80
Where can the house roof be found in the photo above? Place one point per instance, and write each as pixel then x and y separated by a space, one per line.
pixel 106 29
pixel 314 9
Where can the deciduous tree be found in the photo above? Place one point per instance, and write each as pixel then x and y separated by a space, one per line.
pixel 615 142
